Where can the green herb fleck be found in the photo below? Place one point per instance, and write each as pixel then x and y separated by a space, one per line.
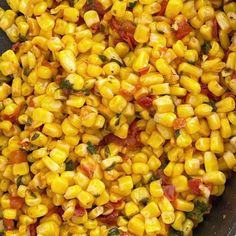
pixel 35 136
pixel 173 232
pixel 22 38
pixel 113 232
pixel 212 104
pixel 91 148
pixel 26 71
pixel 66 84
pixel 144 201
pixel 86 92
pixel 132 5
pixel 107 151
pixel 8 79
pixel 177 133
pixel 118 62
pixel 19 181
pixel 29 121
pixel 33 194
pixel 103 58
pixel 206 47
pixel 110 167
pixel 70 165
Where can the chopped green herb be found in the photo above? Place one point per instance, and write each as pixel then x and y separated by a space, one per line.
pixel 66 84
pixel 153 178
pixel 132 4
pixel 26 71
pixel 70 165
pixel 107 151
pixel 173 232
pixel 19 181
pixel 113 232
pixel 117 122
pixel 91 148
pixel 29 121
pixel 103 58
pixel 22 38
pixel 144 201
pixel 85 91
pixel 118 62
pixel 212 104
pixel 35 136
pixel 164 163
pixel 110 167
pixel 206 47
pixel 177 133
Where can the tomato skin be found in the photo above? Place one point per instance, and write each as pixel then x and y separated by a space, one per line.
pixel 55 210
pixel 179 123
pixel 163 177
pixel 17 156
pixel 169 192
pixel 183 30
pixel 79 211
pixel 96 6
pixel 16 202
pixel 110 219
pixel 8 224
pixel 146 102
pixel 163 8
pixel 144 70
pixel 194 186
pixel 214 29
pixel 95 27
pixel 32 229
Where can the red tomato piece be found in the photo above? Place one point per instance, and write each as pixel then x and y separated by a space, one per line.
pixel 214 29
pixel 183 29
pixel 87 171
pixel 16 202
pixel 111 138
pixel 143 71
pixel 95 27
pixel 79 211
pixel 8 224
pixel 194 186
pixel 163 177
pixel 55 210
pixel 146 102
pixel 179 123
pixel 17 156
pixel 96 6
pixel 169 192
pixel 163 8
pixel 15 47
pixel 110 219
pixel 33 229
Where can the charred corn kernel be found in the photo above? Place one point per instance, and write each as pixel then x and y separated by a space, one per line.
pixel 142 33
pixel 59 185
pixel 86 199
pixel 156 189
pixel 160 89
pixel 203 144
pixel 131 209
pixel 225 105
pixel 163 67
pixel 216 142
pixel 21 168
pixel 48 228
pixel 180 183
pixel 203 110
pixel 190 85
pixel 150 210
pixel 214 177
pixel 229 159
pixel 136 226
pixel 164 104
pixel 117 104
pixel 210 162
pixel 37 211
pixel 213 121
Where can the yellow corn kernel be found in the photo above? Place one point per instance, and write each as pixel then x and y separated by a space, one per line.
pixel 52 130
pixel 190 85
pixel 216 88
pixel 96 187
pixel 179 220
pixel 72 192
pixel 225 105
pixel 142 33
pixel 48 228
pixel 189 69
pixel 184 139
pixel 163 67
pixel 180 183
pixel 156 189
pixel 141 61
pixel 140 168
pixel 203 144
pixel 214 177
pixel 185 110
pixel 9 214
pixel 210 162
pixel 20 168
pixel 168 217
pixel 151 78
pixel 59 185
pixel 192 125
pixel 213 121
pixel 164 104
pixel 216 142
pixel 160 89
pixel 165 205
pixel 71 14
pixel 91 17
pixel 136 226
pixel 154 163
pixel 125 184
pixel 50 164
pixel 32 198
pixel 139 194
pixel 86 199
pixel 179 48
pixel 183 205
pixel 223 21
pixel 229 159
pixel 173 8
pixel 67 60
pixel 131 209
pixel 152 225
pixel 165 119
pixel 203 110
pixel 150 210
pixel 37 211
pixel 42 115
pixel 117 104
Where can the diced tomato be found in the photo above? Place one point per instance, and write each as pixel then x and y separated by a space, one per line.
pixel 163 8
pixel 79 211
pixel 144 70
pixel 96 6
pixel 169 192
pixel 179 123
pixel 15 47
pixel 16 202
pixel 87 171
pixel 55 210
pixel 183 29
pixel 125 93
pixel 163 177
pixel 133 139
pixel 214 29
pixel 95 27
pixel 110 219
pixel 146 102
pixel 17 156
pixel 33 229
pixel 114 205
pixel 111 138
pixel 194 186
pixel 8 224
